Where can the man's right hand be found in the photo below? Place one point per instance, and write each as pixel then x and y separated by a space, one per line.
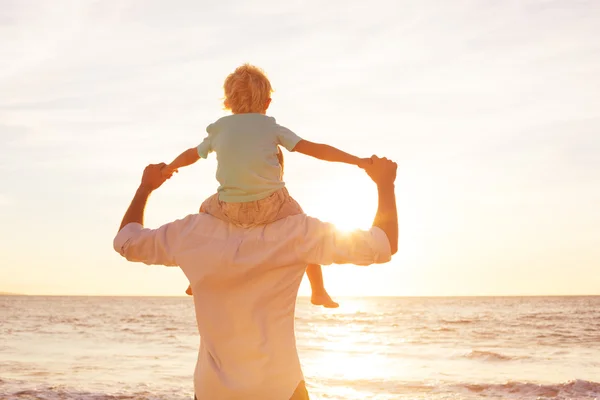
pixel 381 170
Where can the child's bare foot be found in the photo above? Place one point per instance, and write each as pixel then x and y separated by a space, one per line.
pixel 188 291
pixel 323 299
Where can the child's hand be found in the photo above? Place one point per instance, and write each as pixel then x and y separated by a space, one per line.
pixel 364 162
pixel 167 171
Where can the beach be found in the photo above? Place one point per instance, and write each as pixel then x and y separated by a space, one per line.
pixel 101 348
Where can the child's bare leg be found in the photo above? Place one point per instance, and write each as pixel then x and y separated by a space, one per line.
pixel 188 291
pixel 319 297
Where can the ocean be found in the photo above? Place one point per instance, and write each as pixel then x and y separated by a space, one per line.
pixel 117 348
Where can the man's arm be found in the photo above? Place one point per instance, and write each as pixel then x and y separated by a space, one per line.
pixel 152 179
pixel 151 246
pixel 386 218
pixel 135 212
pixel 328 153
pixel 383 173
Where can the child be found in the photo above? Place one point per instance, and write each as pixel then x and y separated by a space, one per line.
pixel 250 163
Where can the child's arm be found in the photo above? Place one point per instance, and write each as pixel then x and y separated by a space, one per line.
pixel 186 158
pixel 328 153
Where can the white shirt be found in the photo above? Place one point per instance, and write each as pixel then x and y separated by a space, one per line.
pixel 245 283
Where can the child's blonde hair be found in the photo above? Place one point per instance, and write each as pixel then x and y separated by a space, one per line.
pixel 247 90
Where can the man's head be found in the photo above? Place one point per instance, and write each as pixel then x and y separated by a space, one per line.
pixel 247 90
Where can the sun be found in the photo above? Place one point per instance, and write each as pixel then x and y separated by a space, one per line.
pixel 349 204
pixel 345 218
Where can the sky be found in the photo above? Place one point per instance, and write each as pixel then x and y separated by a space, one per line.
pixel 491 109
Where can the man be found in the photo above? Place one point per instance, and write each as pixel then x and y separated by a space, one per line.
pixel 245 283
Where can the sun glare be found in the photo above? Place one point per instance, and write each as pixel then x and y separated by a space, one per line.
pixel 347 214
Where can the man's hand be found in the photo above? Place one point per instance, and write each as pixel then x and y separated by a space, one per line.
pixel 364 162
pixel 168 171
pixel 153 176
pixel 152 179
pixel 381 170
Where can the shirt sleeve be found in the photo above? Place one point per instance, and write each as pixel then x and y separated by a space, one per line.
pixel 322 243
pixel 287 138
pixel 205 148
pixel 149 246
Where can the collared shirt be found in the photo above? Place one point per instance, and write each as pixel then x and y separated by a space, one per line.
pixel 245 283
pixel 246 147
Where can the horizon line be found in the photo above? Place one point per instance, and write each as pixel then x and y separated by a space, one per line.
pixel 308 296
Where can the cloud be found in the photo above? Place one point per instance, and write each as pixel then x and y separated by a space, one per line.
pixel 482 103
pixel 5 200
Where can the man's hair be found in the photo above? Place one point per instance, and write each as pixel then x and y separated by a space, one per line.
pixel 247 90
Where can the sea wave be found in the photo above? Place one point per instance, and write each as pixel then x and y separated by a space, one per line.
pixel 443 329
pixel 18 390
pixel 65 394
pixel 456 321
pixel 576 389
pixel 488 356
pixel 513 390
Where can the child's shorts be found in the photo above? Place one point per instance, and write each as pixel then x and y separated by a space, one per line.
pixel 277 206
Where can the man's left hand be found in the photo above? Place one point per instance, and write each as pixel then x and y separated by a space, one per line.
pixel 154 176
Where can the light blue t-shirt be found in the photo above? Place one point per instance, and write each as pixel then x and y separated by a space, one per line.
pixel 246 147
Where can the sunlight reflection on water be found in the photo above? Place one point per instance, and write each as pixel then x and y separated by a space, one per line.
pixel 369 348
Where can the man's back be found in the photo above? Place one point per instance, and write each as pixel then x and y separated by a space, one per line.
pixel 245 311
pixel 245 283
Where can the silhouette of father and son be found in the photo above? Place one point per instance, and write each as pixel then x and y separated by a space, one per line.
pixel 246 250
